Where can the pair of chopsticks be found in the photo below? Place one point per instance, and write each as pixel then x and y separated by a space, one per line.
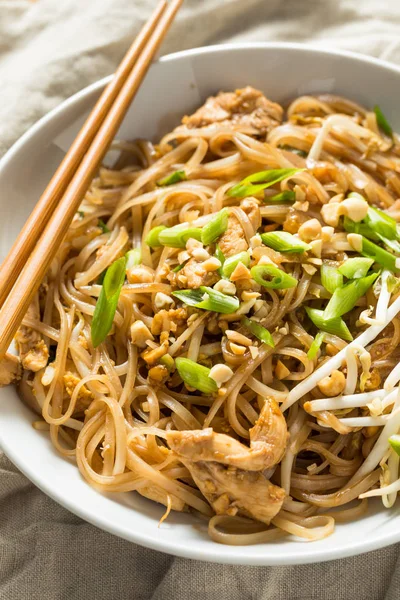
pixel 37 244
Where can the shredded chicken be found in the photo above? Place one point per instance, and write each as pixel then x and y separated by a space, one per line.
pixel 234 240
pixel 230 490
pixel 154 492
pixel 244 107
pixel 268 440
pixel 33 351
pixel 10 369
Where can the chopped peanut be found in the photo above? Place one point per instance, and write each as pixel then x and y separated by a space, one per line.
pixel 281 371
pixel 211 264
pixel 225 287
pixel 310 230
pixel 140 274
pixel 237 349
pixel 333 385
pixel 235 336
pixel 140 334
pixel 201 254
pixel 161 300
pixel 221 374
pixel 240 272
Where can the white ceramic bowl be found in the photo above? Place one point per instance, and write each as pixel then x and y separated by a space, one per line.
pixel 174 86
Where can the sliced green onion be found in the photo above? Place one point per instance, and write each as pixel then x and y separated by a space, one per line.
pixel 345 298
pixel 152 237
pixel 382 121
pixel 282 241
pixel 285 196
pixel 331 279
pixel 360 228
pixel 81 213
pixel 334 326
pixel 297 151
pixel 257 182
pixel 354 268
pixel 179 267
pixel 100 278
pixel 315 346
pixel 381 223
pixel 394 441
pixel 196 376
pixel 259 331
pixel 208 299
pixel 133 258
pixel 107 302
pixel 175 177
pixel 176 237
pixel 103 226
pixel 393 284
pixel 380 256
pixel 215 227
pixel 279 280
pixel 221 257
pixel 168 362
pixel 232 262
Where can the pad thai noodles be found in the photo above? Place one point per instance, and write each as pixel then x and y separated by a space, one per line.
pixel 220 329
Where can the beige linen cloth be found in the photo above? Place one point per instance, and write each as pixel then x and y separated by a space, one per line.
pixel 50 49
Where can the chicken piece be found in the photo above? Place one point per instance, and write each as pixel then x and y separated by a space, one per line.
pixel 10 369
pixel 85 396
pixel 268 440
pixel 246 107
pixel 193 275
pixel 230 490
pixel 154 492
pixel 234 240
pixel 32 350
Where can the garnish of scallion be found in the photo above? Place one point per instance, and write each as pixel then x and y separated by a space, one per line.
pixel 215 227
pixel 257 182
pixel 107 302
pixel 382 121
pixel 175 177
pixel 315 346
pixel 196 376
pixel 331 278
pixel 133 258
pixel 367 248
pixel 259 331
pixel 277 279
pixel 394 441
pixel 103 226
pixel 355 268
pixel 152 237
pixel 232 262
pixel 282 241
pixel 208 299
pixel 345 297
pixel 334 326
pixel 177 236
pixel 285 196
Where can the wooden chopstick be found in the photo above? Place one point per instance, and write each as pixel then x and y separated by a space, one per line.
pixel 31 275
pixel 30 233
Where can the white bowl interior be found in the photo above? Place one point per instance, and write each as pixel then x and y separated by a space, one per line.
pixel 174 86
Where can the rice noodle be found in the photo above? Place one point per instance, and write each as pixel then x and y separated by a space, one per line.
pixel 267 428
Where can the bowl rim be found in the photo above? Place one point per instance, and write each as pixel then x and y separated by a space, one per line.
pixel 217 555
